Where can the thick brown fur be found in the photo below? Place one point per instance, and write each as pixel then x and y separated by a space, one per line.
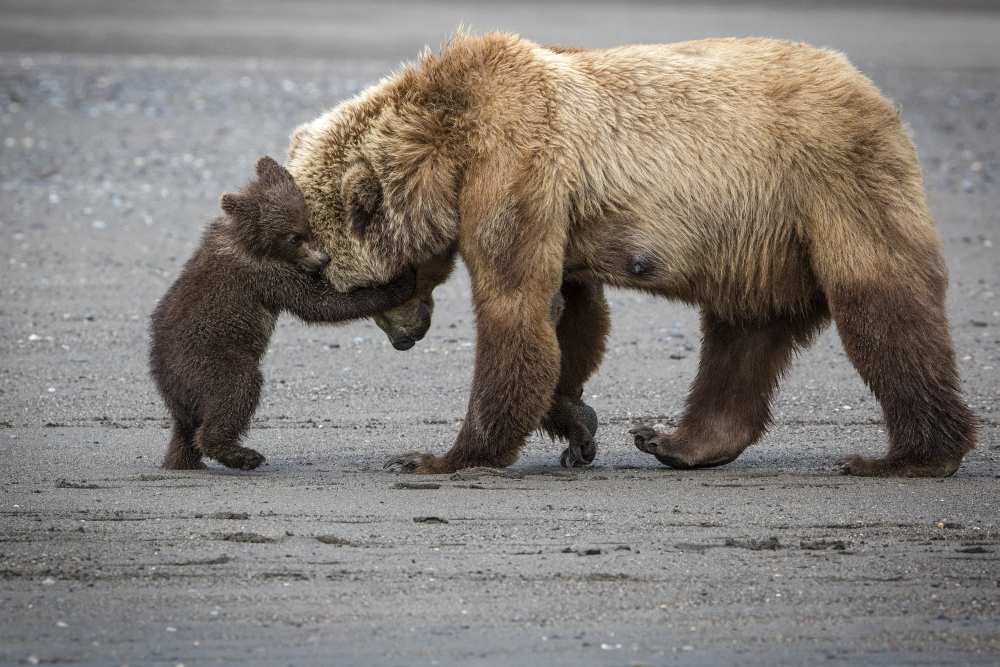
pixel 767 182
pixel 212 327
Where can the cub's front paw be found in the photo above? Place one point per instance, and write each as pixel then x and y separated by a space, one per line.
pixel 242 458
pixel 417 463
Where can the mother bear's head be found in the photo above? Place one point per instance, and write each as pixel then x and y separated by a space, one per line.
pixel 380 176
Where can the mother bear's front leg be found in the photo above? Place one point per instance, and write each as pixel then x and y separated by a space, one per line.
pixel 517 362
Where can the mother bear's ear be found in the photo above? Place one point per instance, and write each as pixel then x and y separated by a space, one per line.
pixel 362 196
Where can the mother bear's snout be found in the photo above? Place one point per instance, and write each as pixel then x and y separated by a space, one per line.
pixel 406 324
pixel 403 343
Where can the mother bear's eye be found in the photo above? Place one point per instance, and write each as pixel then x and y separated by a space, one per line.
pixel 294 239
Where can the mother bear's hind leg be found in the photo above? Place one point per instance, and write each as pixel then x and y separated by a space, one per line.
pixel 896 335
pixel 729 404
pixel 886 294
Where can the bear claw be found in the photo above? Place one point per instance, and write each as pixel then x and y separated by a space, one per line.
pixel 242 458
pixel 678 453
pixel 651 441
pixel 411 462
pixel 645 438
pixel 577 455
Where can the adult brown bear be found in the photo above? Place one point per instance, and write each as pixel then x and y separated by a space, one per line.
pixel 768 182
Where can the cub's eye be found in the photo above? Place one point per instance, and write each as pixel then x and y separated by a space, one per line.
pixel 295 239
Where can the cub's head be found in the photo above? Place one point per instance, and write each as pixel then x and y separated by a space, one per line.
pixel 270 219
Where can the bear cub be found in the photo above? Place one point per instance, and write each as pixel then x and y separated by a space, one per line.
pixel 212 327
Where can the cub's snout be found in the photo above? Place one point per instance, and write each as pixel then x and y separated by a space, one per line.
pixel 314 261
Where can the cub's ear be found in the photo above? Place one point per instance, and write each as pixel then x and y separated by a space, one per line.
pixel 240 207
pixel 362 195
pixel 269 171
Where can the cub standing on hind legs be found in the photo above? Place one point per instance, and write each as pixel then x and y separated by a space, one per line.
pixel 767 182
pixel 212 327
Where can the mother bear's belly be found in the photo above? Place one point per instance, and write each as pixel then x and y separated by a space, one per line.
pixel 737 268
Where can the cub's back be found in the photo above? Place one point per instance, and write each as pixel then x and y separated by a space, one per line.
pixel 211 311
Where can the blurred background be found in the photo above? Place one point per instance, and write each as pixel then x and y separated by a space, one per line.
pixel 945 32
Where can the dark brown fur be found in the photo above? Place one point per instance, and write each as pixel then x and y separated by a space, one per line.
pixel 212 327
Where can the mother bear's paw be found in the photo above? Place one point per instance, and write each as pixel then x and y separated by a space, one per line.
pixel 578 454
pixel 679 453
pixel 582 449
pixel 658 443
pixel 898 467
pixel 418 463
pixel 576 422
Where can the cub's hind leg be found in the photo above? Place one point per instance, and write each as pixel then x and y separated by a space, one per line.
pixel 181 452
pixel 226 419
pixel 729 404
